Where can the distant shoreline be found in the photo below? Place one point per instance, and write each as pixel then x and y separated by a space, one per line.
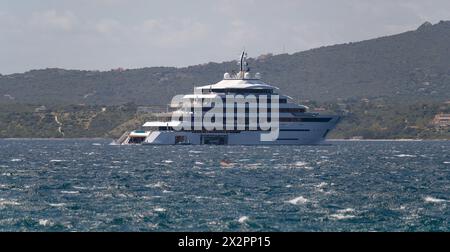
pixel 56 139
pixel 328 140
pixel 384 140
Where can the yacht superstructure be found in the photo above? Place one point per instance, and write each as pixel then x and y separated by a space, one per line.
pixel 208 116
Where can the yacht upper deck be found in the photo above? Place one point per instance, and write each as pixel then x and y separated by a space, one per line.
pixel 229 84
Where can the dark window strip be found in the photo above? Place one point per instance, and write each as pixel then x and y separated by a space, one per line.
pixel 295 130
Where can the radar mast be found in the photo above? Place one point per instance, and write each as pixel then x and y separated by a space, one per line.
pixel 243 65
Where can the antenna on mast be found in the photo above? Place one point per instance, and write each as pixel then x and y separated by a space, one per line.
pixel 243 64
pixel 242 61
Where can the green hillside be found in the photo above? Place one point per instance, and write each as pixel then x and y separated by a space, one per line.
pixel 413 65
pixel 389 87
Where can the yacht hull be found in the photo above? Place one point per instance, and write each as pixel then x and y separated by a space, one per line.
pixel 309 133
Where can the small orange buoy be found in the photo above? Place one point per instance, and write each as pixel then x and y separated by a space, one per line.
pixel 225 163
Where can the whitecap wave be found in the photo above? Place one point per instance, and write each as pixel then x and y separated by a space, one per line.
pixel 321 185
pixel 302 165
pixel 158 184
pixel 5 202
pixel 45 222
pixel 57 204
pixel 253 166
pixel 70 192
pixel 57 161
pixel 434 200
pixel 405 155
pixel 80 187
pixel 346 210
pixel 341 216
pixel 298 201
pixel 243 219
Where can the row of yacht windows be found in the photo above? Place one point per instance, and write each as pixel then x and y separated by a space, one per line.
pixel 229 131
pixel 232 131
pixel 268 100
pixel 282 119
pixel 238 91
pixel 286 119
pixel 281 110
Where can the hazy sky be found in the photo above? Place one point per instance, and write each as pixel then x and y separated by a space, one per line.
pixel 105 34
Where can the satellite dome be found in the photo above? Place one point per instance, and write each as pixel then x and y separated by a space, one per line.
pixel 257 76
pixel 226 76
pixel 247 75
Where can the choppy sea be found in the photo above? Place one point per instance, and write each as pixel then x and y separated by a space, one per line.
pixel 91 185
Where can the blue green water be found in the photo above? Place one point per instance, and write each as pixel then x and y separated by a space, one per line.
pixel 89 185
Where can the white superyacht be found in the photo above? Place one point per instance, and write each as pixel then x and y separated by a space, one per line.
pixel 278 121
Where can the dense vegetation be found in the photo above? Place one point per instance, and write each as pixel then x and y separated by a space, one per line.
pixel 384 119
pixel 389 87
pixel 413 65
pixel 27 121
pixel 368 119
